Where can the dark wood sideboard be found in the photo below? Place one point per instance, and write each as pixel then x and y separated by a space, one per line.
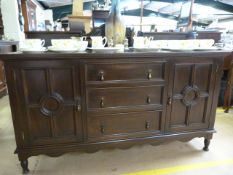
pixel 5 47
pixel 84 101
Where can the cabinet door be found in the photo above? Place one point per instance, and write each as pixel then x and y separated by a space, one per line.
pixel 190 95
pixel 51 102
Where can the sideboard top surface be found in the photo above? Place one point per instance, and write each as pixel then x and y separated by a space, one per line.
pixel 124 55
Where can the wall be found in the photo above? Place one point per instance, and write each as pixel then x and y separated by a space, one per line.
pixel 10 20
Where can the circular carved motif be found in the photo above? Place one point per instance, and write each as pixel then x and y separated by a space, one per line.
pixel 51 105
pixel 190 95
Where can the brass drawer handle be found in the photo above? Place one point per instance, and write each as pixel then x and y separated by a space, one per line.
pixel 148 100
pixel 169 101
pixel 102 102
pixel 101 75
pixel 78 105
pixel 102 130
pixel 147 125
pixel 149 74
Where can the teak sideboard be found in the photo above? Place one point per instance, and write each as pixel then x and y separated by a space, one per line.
pixel 62 102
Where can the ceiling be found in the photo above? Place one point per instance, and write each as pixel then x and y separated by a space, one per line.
pixel 204 10
pixel 229 2
pixel 221 3
pixel 54 3
pixel 57 3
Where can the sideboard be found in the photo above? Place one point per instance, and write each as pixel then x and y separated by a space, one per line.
pixel 62 102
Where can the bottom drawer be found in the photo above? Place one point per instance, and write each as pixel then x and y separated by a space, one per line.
pixel 124 123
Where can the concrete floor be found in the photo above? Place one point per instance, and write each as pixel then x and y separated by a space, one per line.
pixel 175 158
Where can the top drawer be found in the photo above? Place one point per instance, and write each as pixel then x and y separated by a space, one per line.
pixel 125 71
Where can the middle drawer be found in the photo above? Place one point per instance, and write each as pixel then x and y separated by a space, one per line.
pixel 98 98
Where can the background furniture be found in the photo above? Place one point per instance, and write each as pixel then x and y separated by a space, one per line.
pixel 89 101
pixel 183 35
pixel 99 17
pixel 29 14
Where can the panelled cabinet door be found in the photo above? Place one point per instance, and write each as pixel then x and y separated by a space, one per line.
pixel 190 95
pixel 52 103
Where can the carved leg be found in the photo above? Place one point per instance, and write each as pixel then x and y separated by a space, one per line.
pixel 206 143
pixel 16 151
pixel 24 165
pixel 227 110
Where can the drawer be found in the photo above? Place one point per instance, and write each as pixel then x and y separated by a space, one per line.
pixel 100 98
pixel 123 123
pixel 125 71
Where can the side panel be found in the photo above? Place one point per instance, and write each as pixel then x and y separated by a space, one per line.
pixel 3 88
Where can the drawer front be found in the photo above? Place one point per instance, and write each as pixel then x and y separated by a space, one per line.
pixel 124 124
pixel 125 71
pixel 101 98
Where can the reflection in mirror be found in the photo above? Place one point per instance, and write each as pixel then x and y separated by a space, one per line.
pixel 185 14
pixel 142 15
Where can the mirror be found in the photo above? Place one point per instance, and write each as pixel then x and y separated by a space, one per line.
pixel 146 15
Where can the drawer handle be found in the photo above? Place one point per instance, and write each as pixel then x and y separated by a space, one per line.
pixel 169 101
pixel 149 75
pixel 148 100
pixel 101 75
pixel 102 102
pixel 147 125
pixel 78 105
pixel 102 130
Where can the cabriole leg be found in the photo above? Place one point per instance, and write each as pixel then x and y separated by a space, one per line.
pixel 206 143
pixel 24 165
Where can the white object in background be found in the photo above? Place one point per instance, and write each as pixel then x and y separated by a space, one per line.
pixel 105 50
pixel 138 42
pixel 62 50
pixel 121 47
pixel 206 43
pixel 10 16
pixel 98 41
pixel 33 44
pixel 81 45
pixel 158 44
pixel 68 45
pixel 42 49
pixel 81 38
pixel 227 40
pixel 63 43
